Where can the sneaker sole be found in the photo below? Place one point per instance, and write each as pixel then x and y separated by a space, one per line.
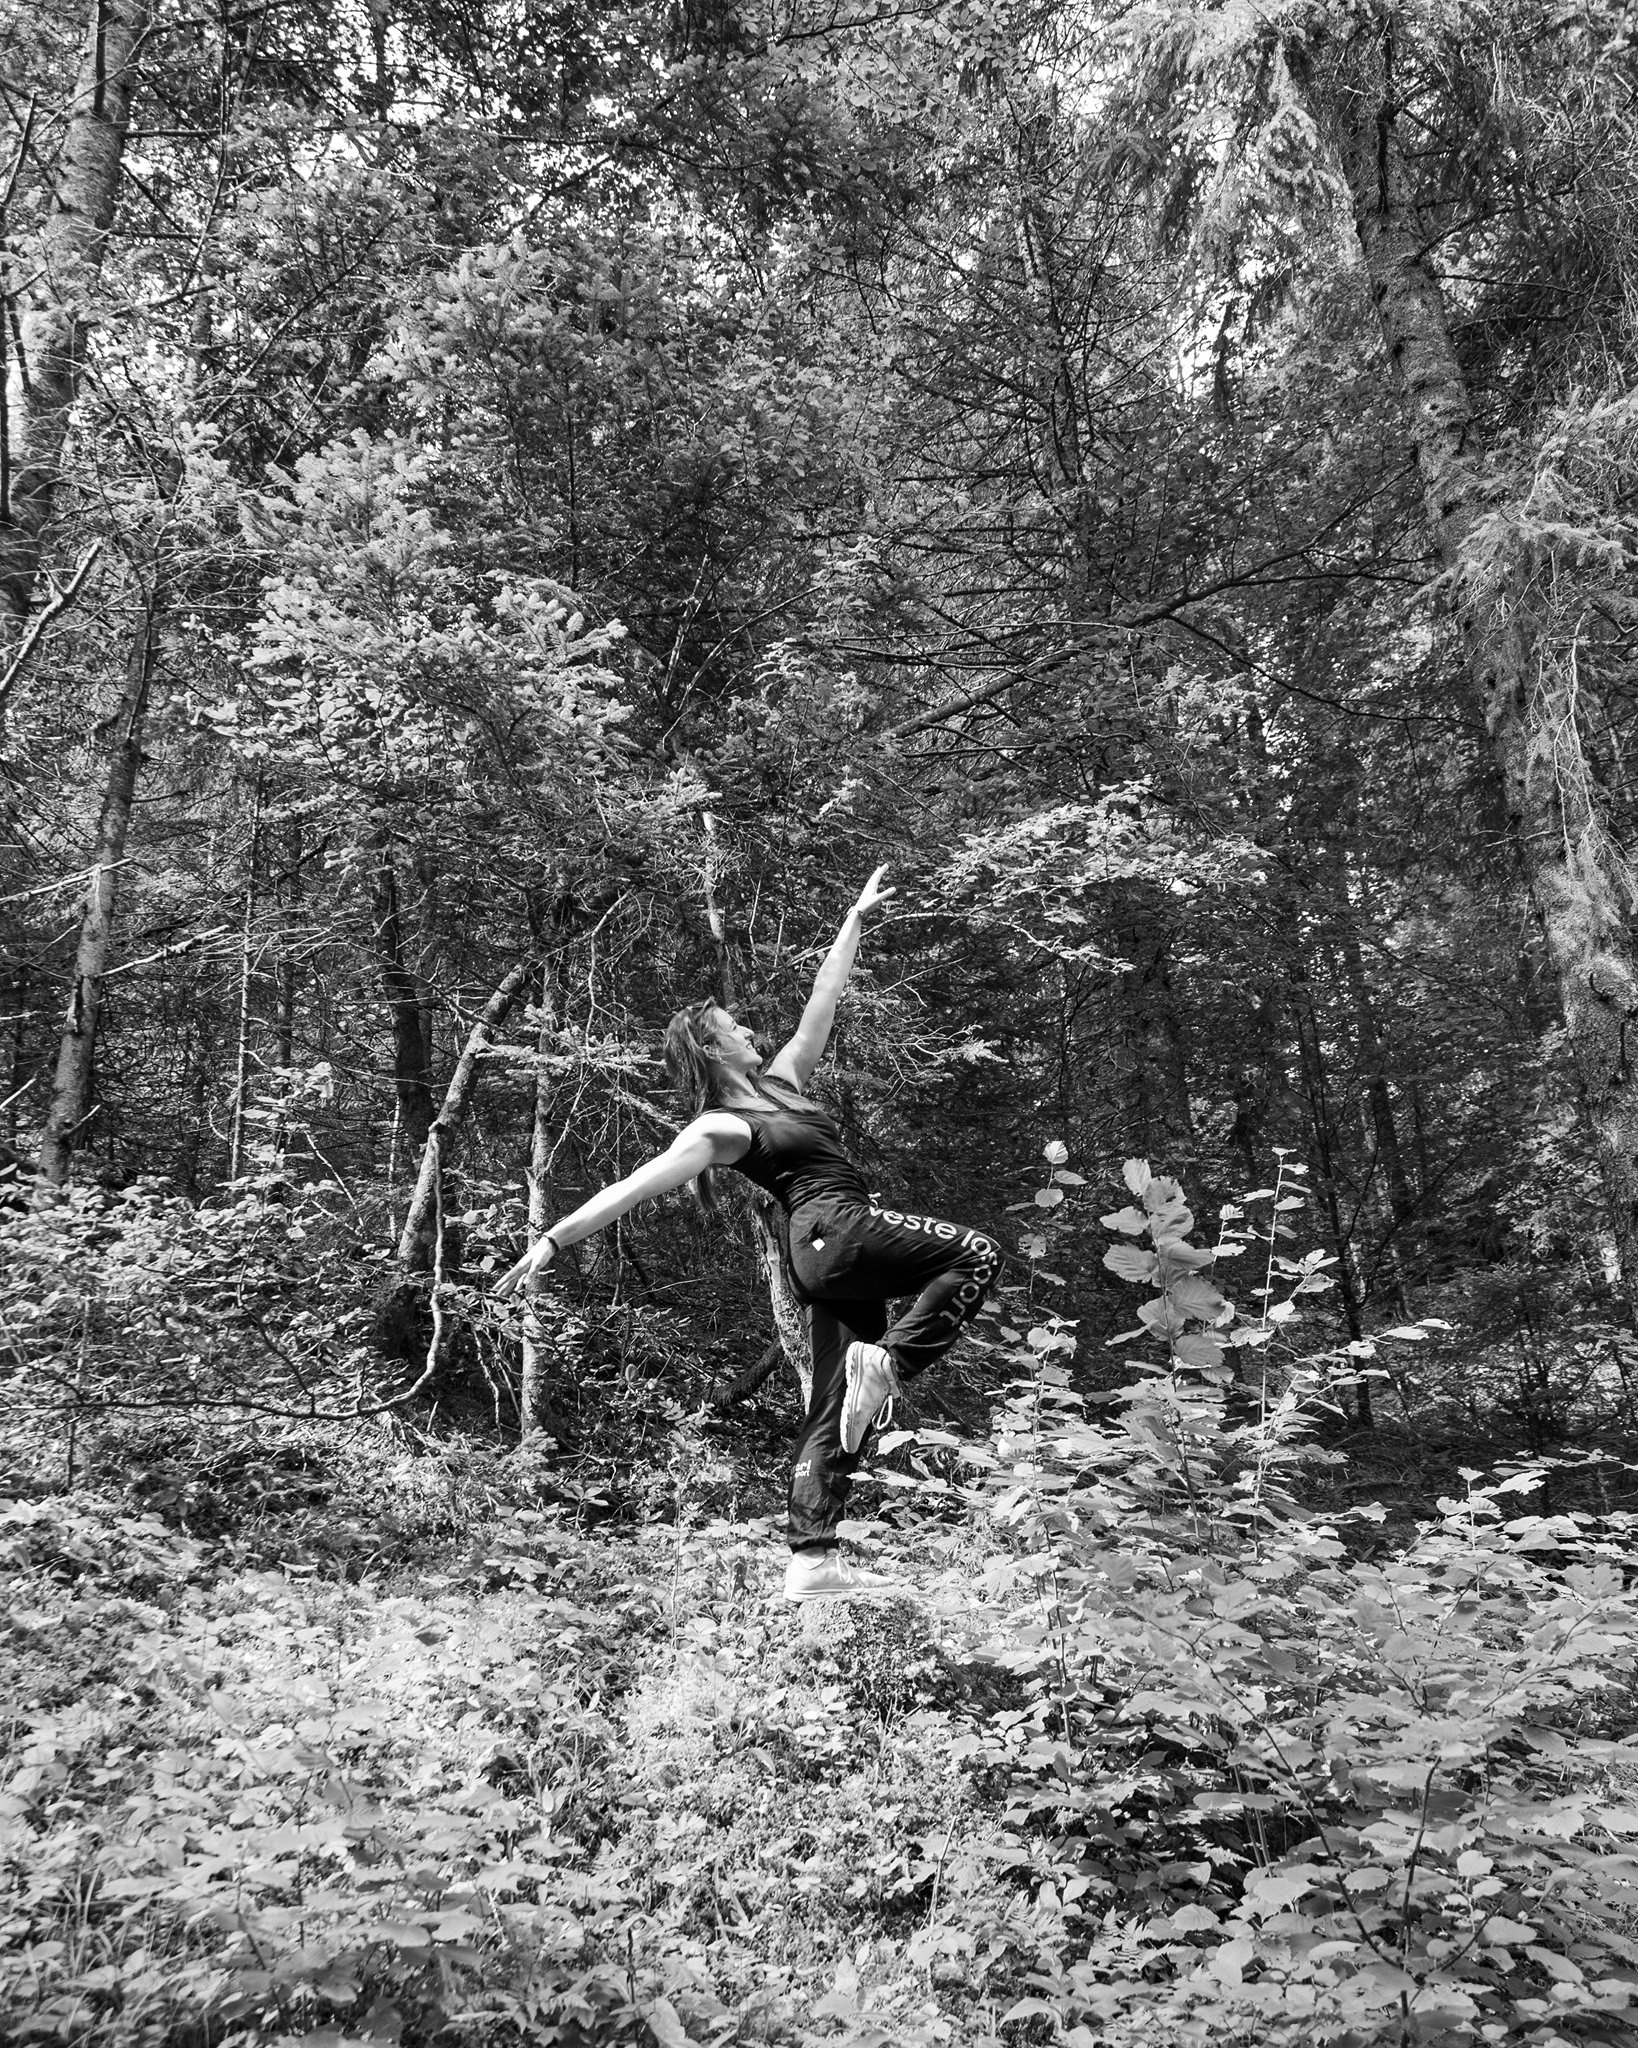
pixel 846 1593
pixel 864 1431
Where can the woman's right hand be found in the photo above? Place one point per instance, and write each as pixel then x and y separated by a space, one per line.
pixel 524 1277
pixel 873 893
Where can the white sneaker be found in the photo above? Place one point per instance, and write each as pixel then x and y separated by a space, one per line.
pixel 823 1575
pixel 871 1385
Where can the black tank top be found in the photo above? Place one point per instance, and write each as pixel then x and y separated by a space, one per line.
pixel 796 1151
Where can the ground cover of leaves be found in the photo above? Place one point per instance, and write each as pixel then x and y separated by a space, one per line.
pixel 420 1760
pixel 563 1786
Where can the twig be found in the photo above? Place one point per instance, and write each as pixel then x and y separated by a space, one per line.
pixel 67 882
pixel 169 952
pixel 62 596
pixel 22 152
pixel 79 1379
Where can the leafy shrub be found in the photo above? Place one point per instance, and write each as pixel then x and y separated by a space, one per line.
pixel 1276 1785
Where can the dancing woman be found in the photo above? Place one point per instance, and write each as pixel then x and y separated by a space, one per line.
pixel 847 1256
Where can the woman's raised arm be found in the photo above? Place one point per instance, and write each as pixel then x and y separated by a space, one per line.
pixel 716 1139
pixel 796 1060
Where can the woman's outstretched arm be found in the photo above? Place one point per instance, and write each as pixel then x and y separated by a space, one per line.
pixel 715 1139
pixel 796 1061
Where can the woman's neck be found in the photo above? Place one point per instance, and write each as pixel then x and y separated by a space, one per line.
pixel 737 1088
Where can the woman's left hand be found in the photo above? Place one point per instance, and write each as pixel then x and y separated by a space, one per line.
pixel 524 1277
pixel 873 893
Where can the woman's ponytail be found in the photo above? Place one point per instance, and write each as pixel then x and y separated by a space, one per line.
pixel 695 1075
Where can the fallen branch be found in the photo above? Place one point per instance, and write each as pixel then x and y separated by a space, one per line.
pixel 415 1241
pixel 754 1376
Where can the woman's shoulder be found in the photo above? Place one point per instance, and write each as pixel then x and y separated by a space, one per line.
pixel 721 1125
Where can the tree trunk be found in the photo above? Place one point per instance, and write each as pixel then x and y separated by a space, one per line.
pixel 727 991
pixel 1306 1025
pixel 247 962
pixel 71 1086
pixel 1552 805
pixel 288 893
pixel 18 1085
pixel 59 267
pixel 415 1242
pixel 1055 355
pixel 532 1384
pixel 1154 1062
pixel 410 1057
pixel 1384 1129
pixel 790 1317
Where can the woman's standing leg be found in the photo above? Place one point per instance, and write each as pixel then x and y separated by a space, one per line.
pixel 822 1472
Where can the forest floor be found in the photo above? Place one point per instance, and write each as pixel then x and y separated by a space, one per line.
pixel 317 1780
pixel 391 1755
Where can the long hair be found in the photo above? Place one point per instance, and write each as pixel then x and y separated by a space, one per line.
pixel 696 1077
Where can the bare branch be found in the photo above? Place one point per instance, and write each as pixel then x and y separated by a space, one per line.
pixel 62 596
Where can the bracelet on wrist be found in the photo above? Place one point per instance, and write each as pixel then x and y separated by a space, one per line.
pixel 546 1237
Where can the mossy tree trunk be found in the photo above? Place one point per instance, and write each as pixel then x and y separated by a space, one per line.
pixel 57 268
pixel 1552 802
pixel 76 1049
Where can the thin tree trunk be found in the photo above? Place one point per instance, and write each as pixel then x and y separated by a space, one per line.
pixel 241 1065
pixel 415 1241
pixel 1368 1039
pixel 727 991
pixel 410 1062
pixel 199 1076
pixel 1056 353
pixel 287 901
pixel 532 1383
pixel 1155 1062
pixel 1547 786
pixel 71 1086
pixel 790 1318
pixel 59 266
pixel 1311 1065
pixel 1389 1250
pixel 423 972
pixel 20 991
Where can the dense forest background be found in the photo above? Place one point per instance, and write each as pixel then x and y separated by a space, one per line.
pixel 507 513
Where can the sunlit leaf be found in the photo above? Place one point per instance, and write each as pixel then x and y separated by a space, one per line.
pixel 1132 1221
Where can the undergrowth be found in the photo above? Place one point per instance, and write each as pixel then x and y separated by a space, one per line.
pixel 1151 1751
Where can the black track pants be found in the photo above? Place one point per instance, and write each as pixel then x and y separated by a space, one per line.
pixel 850 1261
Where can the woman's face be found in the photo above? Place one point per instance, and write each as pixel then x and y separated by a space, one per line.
pixel 731 1044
